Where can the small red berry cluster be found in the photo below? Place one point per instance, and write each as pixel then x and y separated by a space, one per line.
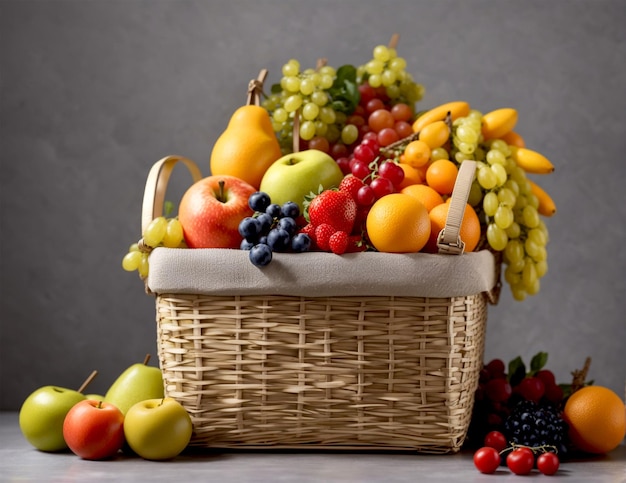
pixel 499 391
pixel 519 459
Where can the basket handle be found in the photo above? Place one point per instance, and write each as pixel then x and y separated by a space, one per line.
pixel 449 239
pixel 156 186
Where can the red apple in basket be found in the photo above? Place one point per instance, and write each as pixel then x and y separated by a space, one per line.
pixel 211 209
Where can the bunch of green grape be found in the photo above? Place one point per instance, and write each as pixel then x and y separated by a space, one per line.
pixel 304 94
pixel 388 70
pixel 503 194
pixel 162 231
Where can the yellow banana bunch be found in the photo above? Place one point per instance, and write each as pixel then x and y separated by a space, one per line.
pixel 531 161
pixel 546 207
pixel 439 113
pixel 496 124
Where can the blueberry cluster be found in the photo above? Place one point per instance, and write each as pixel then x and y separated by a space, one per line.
pixel 537 425
pixel 272 228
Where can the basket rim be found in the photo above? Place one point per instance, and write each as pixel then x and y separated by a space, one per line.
pixel 319 274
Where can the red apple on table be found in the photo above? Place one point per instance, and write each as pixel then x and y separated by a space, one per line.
pixel 94 430
pixel 211 209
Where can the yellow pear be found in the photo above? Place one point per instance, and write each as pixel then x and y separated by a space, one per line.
pixel 248 146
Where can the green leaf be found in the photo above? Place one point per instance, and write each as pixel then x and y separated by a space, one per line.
pixel 344 92
pixel 538 362
pixel 276 89
pixel 517 371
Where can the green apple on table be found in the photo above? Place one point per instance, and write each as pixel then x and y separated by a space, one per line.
pixel 43 412
pixel 137 383
pixel 295 175
pixel 158 429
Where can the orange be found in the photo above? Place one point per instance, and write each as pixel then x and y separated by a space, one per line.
pixel 411 175
pixel 514 139
pixel 596 418
pixel 417 153
pixel 441 176
pixel 398 223
pixel 421 192
pixel 470 227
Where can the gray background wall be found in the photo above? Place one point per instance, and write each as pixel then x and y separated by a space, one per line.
pixel 93 93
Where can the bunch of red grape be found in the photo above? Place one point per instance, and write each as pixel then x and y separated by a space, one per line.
pixel 498 393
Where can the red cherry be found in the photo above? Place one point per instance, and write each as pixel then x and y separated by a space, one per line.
pixel 392 172
pixel 498 390
pixel 365 196
pixel 360 169
pixel 495 439
pixel 364 153
pixel 382 187
pixel 531 389
pixel 496 368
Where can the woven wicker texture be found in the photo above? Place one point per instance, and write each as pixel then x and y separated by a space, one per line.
pixel 381 373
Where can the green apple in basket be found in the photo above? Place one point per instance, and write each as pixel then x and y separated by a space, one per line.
pixel 43 412
pixel 295 175
pixel 137 383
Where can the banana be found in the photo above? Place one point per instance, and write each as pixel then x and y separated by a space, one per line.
pixel 546 207
pixel 531 161
pixel 439 113
pixel 497 123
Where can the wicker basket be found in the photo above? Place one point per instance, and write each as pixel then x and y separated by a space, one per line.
pixel 267 358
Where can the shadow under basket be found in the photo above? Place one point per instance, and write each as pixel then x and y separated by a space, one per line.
pixel 363 351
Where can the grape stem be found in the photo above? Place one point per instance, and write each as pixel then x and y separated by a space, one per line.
pixel 544 448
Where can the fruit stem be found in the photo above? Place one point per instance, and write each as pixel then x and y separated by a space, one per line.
pixel 87 381
pixel 393 42
pixel 255 89
pixel 220 195
pixel 146 360
pixel 579 376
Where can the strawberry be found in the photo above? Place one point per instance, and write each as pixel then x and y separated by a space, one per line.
pixel 333 207
pixel 351 184
pixel 338 242
pixel 323 233
pixel 356 244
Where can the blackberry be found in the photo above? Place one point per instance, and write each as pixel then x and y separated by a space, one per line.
pixel 531 424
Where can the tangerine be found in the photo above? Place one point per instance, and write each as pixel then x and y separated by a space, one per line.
pixel 411 175
pixel 424 193
pixel 469 232
pixel 417 153
pixel 441 175
pixel 398 223
pixel 597 419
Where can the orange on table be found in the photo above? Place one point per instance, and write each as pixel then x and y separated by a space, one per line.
pixel 398 223
pixel 597 419
pixel 417 153
pixel 441 176
pixel 469 232
pixel 425 194
pixel 411 175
